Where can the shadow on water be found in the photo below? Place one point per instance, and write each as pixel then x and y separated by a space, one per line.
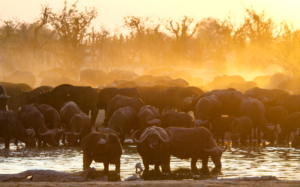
pixel 282 162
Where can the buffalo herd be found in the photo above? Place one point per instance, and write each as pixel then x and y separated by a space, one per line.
pixel 166 119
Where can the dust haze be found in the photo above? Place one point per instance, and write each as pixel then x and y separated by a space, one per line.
pixel 63 47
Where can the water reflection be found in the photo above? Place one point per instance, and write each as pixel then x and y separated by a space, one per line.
pixel 282 162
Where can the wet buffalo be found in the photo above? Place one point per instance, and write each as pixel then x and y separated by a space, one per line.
pixel 32 117
pixel 31 96
pixel 52 119
pixel 255 110
pixel 123 121
pixel 241 128
pixel 79 127
pixel 106 94
pixel 153 146
pixel 68 110
pixel 221 126
pixel 120 101
pixel 153 96
pixel 11 126
pixel 180 119
pixel 101 147
pixel 209 106
pixel 195 143
pixel 175 97
pixel 3 98
pixel 290 124
pixel 84 97
pixel 148 116
pixel 230 99
pixel 276 115
pixel 18 95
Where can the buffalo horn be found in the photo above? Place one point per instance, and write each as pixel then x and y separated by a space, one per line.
pixel 135 140
pixel 109 130
pixel 65 132
pixel 154 122
pixel 44 134
pixel 170 134
pixel 224 149
pixel 79 133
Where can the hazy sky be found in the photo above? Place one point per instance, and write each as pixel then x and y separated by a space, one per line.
pixel 111 12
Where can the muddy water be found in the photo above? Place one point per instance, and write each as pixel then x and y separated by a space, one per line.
pixel 284 163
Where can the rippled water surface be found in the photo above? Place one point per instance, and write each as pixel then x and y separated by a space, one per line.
pixel 282 162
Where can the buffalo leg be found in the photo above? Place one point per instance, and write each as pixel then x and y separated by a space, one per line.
pixel 223 136
pixel 193 164
pixel 7 140
pixel 166 164
pixel 288 138
pixel 87 160
pixel 16 142
pixel 118 165
pixel 156 168
pixel 146 164
pixel 94 113
pixel 258 137
pixel 106 167
pixel 205 165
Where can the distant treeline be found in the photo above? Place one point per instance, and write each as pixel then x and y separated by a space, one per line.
pixel 67 39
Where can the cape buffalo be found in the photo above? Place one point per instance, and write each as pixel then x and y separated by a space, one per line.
pixel 221 126
pixel 105 95
pixel 255 110
pixel 11 126
pixel 180 119
pixel 84 97
pixel 153 146
pixel 174 97
pixel 52 119
pixel 16 89
pixel 153 96
pixel 241 128
pixel 32 117
pixel 123 121
pixel 209 106
pixel 79 127
pixel 195 143
pixel 230 99
pixel 148 116
pixel 3 98
pixel 290 124
pixel 66 113
pixel 120 101
pixel 101 147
